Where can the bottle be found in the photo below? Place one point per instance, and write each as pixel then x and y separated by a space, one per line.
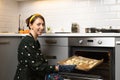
pixel 19 24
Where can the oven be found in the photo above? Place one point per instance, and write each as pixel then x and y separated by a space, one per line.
pixel 95 48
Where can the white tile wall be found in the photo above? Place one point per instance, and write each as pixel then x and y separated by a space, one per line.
pixel 8 16
pixel 110 1
pixel 60 14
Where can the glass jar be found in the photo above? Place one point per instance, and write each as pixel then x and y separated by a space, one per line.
pixel 75 28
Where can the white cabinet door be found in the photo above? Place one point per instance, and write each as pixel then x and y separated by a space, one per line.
pixel 55 48
pixel 8 57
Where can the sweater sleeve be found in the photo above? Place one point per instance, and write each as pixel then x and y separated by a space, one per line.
pixel 29 55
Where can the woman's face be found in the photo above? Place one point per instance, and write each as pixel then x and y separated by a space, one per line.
pixel 38 26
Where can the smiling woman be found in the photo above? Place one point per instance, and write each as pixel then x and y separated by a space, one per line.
pixel 32 64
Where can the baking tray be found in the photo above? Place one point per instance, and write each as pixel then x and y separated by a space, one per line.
pixel 82 63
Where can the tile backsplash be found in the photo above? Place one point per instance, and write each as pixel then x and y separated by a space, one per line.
pixel 60 14
pixel 8 16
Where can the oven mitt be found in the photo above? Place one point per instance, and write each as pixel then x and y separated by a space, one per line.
pixel 66 68
pixel 53 76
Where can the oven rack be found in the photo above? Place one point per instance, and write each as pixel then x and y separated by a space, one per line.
pixel 80 76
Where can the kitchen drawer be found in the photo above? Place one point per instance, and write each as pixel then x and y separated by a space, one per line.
pixel 55 54
pixel 61 41
pixel 8 57
pixel 55 48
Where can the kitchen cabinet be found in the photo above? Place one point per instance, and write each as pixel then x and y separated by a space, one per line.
pixel 117 59
pixel 8 56
pixel 55 48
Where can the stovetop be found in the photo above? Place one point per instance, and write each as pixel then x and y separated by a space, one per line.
pixel 110 30
pixel 102 30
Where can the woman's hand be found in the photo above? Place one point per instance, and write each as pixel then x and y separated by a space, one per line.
pixel 57 67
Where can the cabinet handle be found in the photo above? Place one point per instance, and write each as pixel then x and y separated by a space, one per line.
pixel 51 57
pixel 117 42
pixel 4 42
pixel 51 41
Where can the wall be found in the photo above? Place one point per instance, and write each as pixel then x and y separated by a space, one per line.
pixel 8 16
pixel 60 14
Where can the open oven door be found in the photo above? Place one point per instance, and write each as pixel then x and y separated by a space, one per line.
pixel 76 76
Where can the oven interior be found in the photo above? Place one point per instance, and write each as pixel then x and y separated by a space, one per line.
pixel 104 71
pixel 94 55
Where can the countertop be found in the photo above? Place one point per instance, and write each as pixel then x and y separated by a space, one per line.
pixel 11 34
pixel 85 35
pixel 68 34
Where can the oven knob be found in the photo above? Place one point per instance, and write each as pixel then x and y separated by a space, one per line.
pixel 99 42
pixel 80 41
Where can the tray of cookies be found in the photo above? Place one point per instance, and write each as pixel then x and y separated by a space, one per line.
pixel 82 63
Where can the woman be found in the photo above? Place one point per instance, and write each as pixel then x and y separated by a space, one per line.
pixel 32 65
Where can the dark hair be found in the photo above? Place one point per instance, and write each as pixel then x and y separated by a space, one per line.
pixel 32 18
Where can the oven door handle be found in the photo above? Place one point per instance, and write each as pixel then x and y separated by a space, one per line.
pixel 117 42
